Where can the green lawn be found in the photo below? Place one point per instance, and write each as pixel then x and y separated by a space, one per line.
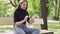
pixel 53 26
pixel 4 29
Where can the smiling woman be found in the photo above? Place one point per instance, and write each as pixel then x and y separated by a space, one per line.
pixel 20 18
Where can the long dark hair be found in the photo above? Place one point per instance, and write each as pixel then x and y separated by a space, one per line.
pixel 20 2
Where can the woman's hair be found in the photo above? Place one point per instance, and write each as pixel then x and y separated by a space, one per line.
pixel 20 2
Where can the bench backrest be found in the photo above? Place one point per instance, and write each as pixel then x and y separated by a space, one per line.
pixel 6 21
pixel 9 21
pixel 38 21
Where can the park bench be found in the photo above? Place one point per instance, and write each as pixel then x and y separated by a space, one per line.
pixel 9 21
pixel 40 21
pixel 6 21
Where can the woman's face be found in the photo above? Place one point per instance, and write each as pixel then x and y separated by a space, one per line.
pixel 23 5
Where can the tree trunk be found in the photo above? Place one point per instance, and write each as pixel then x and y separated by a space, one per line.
pixel 44 13
pixel 55 16
pixel 58 8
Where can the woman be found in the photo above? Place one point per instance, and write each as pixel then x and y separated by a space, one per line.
pixel 20 18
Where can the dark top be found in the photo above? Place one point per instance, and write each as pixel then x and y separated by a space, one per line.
pixel 19 15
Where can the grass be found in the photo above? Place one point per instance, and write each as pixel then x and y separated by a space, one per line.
pixel 54 26
pixel 4 29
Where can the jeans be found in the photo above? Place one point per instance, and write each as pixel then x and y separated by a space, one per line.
pixel 22 29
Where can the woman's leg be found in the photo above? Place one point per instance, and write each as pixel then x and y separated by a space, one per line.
pixel 18 30
pixel 32 31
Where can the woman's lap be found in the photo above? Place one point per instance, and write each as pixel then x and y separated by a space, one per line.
pixel 25 30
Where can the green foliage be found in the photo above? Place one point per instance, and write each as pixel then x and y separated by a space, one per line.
pixel 33 7
pixel 3 9
pixel 58 8
pixel 7 9
pixel 50 8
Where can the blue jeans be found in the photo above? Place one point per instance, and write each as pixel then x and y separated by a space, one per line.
pixel 22 29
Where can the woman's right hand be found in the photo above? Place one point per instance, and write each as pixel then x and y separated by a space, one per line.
pixel 20 22
pixel 26 17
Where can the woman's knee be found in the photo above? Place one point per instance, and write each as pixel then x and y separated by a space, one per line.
pixel 37 31
pixel 19 31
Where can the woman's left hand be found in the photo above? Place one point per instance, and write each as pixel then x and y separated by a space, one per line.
pixel 32 20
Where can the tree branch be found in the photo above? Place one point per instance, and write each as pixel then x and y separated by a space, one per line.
pixel 15 2
pixel 12 3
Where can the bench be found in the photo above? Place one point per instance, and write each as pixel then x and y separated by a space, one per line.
pixel 9 21
pixel 40 21
pixel 6 21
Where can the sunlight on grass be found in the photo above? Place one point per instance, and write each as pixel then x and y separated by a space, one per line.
pixel 7 28
pixel 54 26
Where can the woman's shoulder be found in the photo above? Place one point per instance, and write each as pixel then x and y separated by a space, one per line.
pixel 16 11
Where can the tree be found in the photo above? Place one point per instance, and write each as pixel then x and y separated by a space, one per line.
pixel 44 13
pixel 13 3
pixel 33 7
pixel 55 16
pixel 3 9
pixel 58 8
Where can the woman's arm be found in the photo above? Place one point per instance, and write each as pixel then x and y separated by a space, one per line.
pixel 22 21
pixel 19 23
